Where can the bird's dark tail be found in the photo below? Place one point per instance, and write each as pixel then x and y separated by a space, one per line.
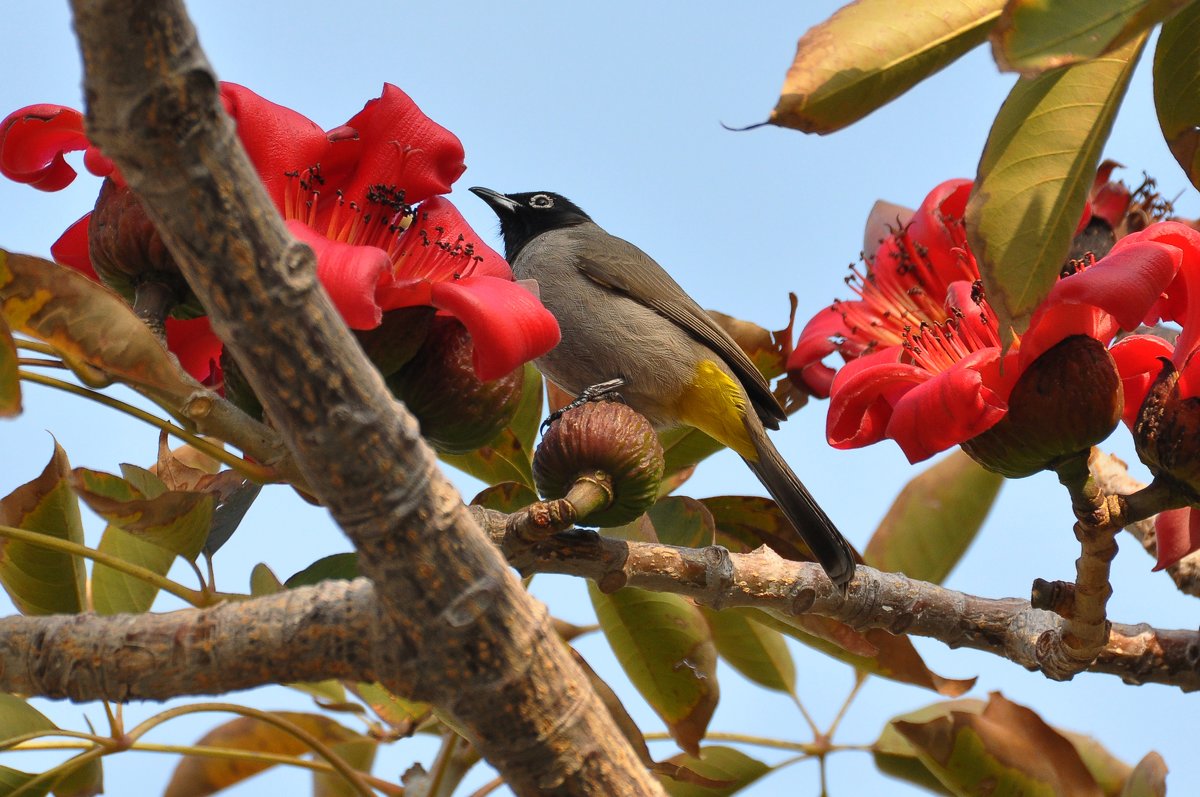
pixel 814 526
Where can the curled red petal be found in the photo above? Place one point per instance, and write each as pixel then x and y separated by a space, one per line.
pixel 1126 283
pixel 864 394
pixel 197 347
pixel 953 406
pixel 1139 361
pixel 350 274
pixel 33 141
pixel 71 248
pixel 508 324
pixel 399 145
pixel 1174 305
pixel 817 341
pixel 1178 534
pixel 278 140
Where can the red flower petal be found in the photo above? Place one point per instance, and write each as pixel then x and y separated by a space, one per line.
pixel 947 202
pixel 197 347
pixel 1138 359
pixel 71 248
pixel 277 139
pixel 816 342
pixel 953 406
pixel 508 324
pixel 32 143
pixel 401 146
pixel 351 275
pixel 1178 533
pixel 863 395
pixel 1126 283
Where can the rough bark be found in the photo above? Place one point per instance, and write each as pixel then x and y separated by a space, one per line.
pixel 477 645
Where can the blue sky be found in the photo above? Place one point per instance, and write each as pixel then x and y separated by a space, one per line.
pixel 620 107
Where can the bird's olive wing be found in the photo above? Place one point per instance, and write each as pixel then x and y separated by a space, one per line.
pixel 621 266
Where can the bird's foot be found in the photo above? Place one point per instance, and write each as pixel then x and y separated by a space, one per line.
pixel 604 391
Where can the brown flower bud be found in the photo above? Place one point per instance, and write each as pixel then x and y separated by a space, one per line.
pixel 128 253
pixel 605 440
pixel 458 411
pixel 1068 400
pixel 1167 432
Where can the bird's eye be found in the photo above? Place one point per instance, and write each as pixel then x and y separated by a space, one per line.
pixel 541 201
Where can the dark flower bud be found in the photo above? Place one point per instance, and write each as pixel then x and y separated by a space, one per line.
pixel 130 257
pixel 458 411
pixel 1068 400
pixel 1167 432
pixel 609 443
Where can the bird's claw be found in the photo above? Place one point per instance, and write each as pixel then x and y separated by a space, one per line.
pixel 603 391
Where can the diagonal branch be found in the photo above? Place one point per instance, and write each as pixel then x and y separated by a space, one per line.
pixel 447 596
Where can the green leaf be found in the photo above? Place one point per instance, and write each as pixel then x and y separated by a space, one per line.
pixel 401 714
pixel 1034 175
pixel 1177 88
pixel 871 52
pixel 39 580
pixel 756 651
pixel 872 651
pixel 683 449
pixel 91 328
pixel 1148 779
pixel 746 522
pixel 1033 36
pixel 934 519
pixel 505 497
pixel 664 646
pixel 508 458
pixel 359 754
pixel 176 520
pixel 1005 749
pixel 263 581
pixel 13 779
pixel 198 776
pixel 338 566
pixel 724 765
pixel 85 779
pixel 682 521
pixel 18 718
pixel 895 756
pixel 114 592
pixel 10 382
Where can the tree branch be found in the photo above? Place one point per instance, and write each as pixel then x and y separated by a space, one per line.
pixel 332 630
pixel 1113 477
pixel 1006 627
pixel 474 642
pixel 336 629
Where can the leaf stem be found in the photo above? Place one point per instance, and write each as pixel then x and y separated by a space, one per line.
pixel 191 596
pixel 251 470
pixel 352 776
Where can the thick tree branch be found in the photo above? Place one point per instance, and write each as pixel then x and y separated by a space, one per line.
pixel 473 641
pixel 332 630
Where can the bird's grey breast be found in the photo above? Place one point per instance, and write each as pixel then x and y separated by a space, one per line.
pixel 605 334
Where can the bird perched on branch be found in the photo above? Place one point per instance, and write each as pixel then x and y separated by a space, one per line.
pixel 623 317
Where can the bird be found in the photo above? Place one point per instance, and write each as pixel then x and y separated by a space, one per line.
pixel 622 317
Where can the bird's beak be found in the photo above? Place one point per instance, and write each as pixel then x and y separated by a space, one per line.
pixel 502 205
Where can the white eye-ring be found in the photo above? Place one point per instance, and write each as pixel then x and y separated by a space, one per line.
pixel 541 201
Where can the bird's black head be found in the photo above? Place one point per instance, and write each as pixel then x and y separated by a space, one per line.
pixel 525 216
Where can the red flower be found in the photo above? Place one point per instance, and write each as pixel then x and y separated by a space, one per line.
pixel 351 193
pixel 923 350
pixel 1165 427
